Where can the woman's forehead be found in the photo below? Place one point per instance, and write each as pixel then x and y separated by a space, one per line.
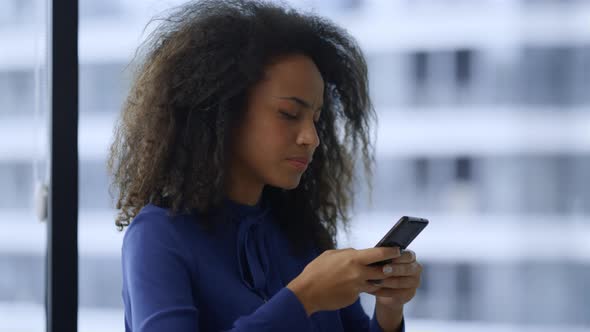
pixel 295 79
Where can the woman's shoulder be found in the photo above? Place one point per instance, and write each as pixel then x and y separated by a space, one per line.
pixel 153 245
pixel 157 225
pixel 151 217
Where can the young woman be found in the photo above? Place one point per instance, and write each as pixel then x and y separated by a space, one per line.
pixel 232 164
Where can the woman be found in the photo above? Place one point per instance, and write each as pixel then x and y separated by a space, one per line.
pixel 232 163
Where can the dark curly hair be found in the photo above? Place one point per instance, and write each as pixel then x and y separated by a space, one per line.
pixel 189 92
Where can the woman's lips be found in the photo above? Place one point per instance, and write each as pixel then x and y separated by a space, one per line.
pixel 299 163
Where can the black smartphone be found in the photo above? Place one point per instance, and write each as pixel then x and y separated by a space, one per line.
pixel 401 234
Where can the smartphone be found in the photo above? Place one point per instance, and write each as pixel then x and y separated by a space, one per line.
pixel 401 234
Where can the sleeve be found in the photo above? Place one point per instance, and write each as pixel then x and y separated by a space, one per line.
pixel 157 280
pixel 355 319
pixel 283 312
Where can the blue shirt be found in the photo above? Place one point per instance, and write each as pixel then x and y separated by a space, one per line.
pixel 179 277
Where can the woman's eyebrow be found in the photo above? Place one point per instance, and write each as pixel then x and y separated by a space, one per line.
pixel 300 102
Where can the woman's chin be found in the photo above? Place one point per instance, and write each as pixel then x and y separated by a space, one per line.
pixel 288 183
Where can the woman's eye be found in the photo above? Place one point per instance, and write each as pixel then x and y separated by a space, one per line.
pixel 289 116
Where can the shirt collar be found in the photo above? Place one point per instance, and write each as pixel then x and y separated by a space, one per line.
pixel 242 211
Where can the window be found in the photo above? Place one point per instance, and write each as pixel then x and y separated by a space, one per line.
pixel 23 163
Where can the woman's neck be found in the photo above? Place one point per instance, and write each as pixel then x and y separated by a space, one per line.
pixel 244 192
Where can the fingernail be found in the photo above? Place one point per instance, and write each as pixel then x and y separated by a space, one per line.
pixel 387 269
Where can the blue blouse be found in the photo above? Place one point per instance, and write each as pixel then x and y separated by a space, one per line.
pixel 178 277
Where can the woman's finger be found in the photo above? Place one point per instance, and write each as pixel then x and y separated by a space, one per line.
pixel 369 288
pixel 401 270
pixel 404 293
pixel 378 254
pixel 407 256
pixel 376 272
pixel 400 282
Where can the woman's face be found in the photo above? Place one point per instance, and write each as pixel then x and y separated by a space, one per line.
pixel 277 136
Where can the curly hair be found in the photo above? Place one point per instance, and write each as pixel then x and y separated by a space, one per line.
pixel 188 94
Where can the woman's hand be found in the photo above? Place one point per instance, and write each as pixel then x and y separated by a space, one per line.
pixel 334 279
pixel 401 283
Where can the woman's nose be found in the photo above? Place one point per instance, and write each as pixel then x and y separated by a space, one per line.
pixel 309 135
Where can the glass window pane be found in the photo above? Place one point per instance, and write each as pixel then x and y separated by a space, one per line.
pixel 482 107
pixel 110 32
pixel 23 163
pixel 486 140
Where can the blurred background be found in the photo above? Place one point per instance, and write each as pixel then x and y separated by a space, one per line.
pixel 484 129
